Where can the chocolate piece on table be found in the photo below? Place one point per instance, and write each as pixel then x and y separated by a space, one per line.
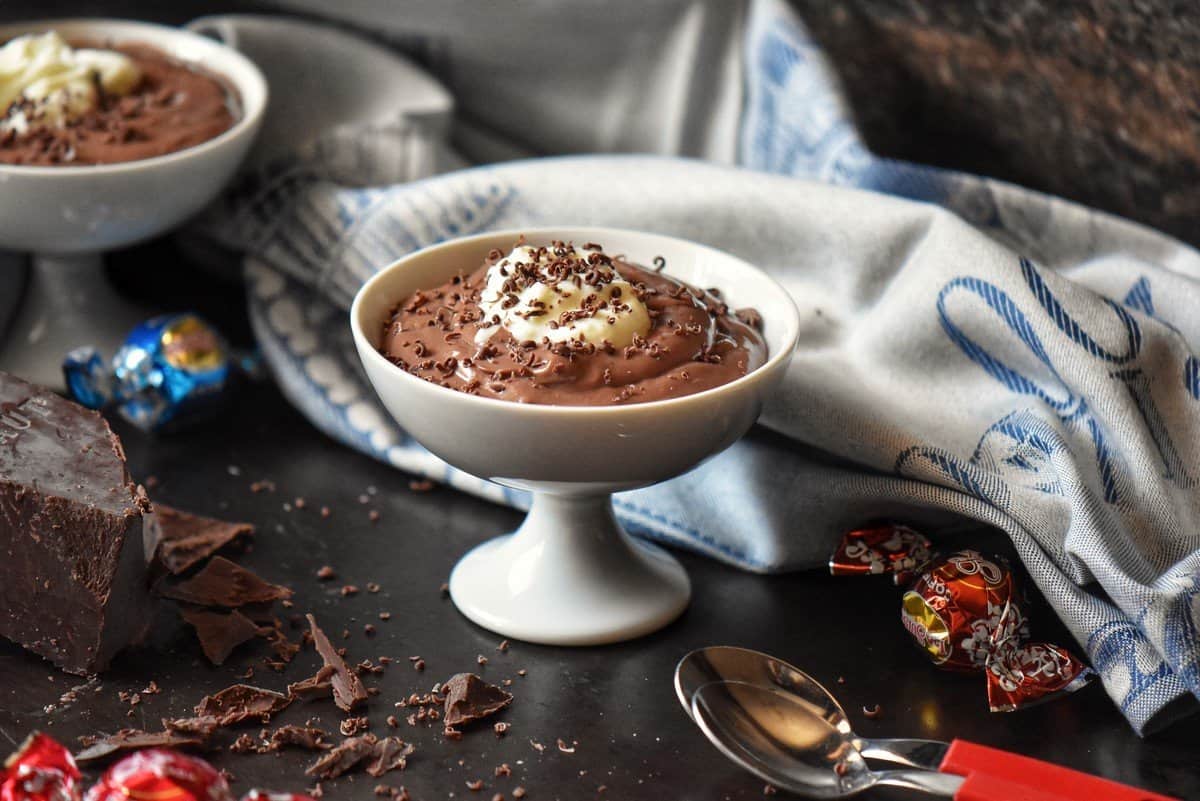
pixel 223 583
pixel 343 757
pixel 185 539
pixel 470 698
pixel 391 753
pixel 73 556
pixel 203 727
pixel 316 686
pixel 242 702
pixel 219 631
pixel 135 740
pixel 348 689
pixel 309 737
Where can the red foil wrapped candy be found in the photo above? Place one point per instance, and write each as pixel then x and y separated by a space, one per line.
pixel 157 774
pixel 964 611
pixel 40 770
pixel 879 549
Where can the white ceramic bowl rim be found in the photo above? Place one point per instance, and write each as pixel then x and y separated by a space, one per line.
pixel 156 34
pixel 790 338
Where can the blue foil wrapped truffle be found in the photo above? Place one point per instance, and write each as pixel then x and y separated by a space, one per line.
pixel 172 370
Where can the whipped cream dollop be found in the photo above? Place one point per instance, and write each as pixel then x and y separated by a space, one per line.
pixel 561 293
pixel 57 82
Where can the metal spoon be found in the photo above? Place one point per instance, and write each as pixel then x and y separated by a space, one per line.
pixel 781 739
pixel 728 663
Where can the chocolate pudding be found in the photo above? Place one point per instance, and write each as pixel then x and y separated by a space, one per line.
pixel 103 103
pixel 572 327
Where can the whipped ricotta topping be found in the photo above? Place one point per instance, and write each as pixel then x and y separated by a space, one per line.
pixel 561 293
pixel 57 82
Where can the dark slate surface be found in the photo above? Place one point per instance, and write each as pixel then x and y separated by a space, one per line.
pixel 617 702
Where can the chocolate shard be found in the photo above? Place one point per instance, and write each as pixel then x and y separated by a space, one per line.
pixel 348 689
pixel 242 702
pixel 72 532
pixel 183 540
pixel 316 686
pixel 347 755
pixel 308 737
pixel 223 583
pixel 203 727
pixel 391 753
pixel 133 740
pixel 470 698
pixel 220 632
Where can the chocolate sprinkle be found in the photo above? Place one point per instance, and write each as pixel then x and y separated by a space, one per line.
pixel 470 698
pixel 223 583
pixel 348 690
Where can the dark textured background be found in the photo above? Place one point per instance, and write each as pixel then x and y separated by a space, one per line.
pixel 1094 100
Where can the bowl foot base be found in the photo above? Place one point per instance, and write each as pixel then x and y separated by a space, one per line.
pixel 570 576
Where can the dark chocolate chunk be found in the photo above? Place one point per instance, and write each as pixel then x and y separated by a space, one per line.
pixel 308 737
pixel 348 690
pixel 203 727
pixel 242 702
pixel 391 753
pixel 73 578
pixel 317 686
pixel 220 632
pixel 470 698
pixel 343 757
pixel 223 583
pixel 133 740
pixel 184 539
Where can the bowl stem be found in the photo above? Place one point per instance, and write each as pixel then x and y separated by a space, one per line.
pixel 570 575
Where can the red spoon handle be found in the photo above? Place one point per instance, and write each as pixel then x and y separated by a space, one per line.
pixel 994 775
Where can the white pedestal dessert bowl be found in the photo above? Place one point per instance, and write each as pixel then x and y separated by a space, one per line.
pixel 570 575
pixel 67 215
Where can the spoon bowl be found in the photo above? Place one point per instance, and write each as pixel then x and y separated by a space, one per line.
pixel 777 736
pixel 725 663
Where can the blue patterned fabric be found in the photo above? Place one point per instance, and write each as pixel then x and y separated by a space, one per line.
pixel 989 353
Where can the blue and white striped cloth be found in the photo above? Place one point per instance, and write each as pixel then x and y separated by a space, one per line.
pixel 986 352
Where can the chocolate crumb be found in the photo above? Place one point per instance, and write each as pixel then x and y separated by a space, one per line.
pixel 420 485
pixel 392 721
pixel 352 726
pixel 500 728
pixel 518 792
pixel 503 646
pixel 369 630
pixel 481 660
pixel 769 789
pixel 372 587
pixel 503 770
pixel 564 747
pixel 349 589
pixel 326 573
pixel 475 785
pixel 541 749
pixel 373 515
pixel 325 513
pixel 872 712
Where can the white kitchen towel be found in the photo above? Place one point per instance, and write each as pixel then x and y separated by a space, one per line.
pixel 990 353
